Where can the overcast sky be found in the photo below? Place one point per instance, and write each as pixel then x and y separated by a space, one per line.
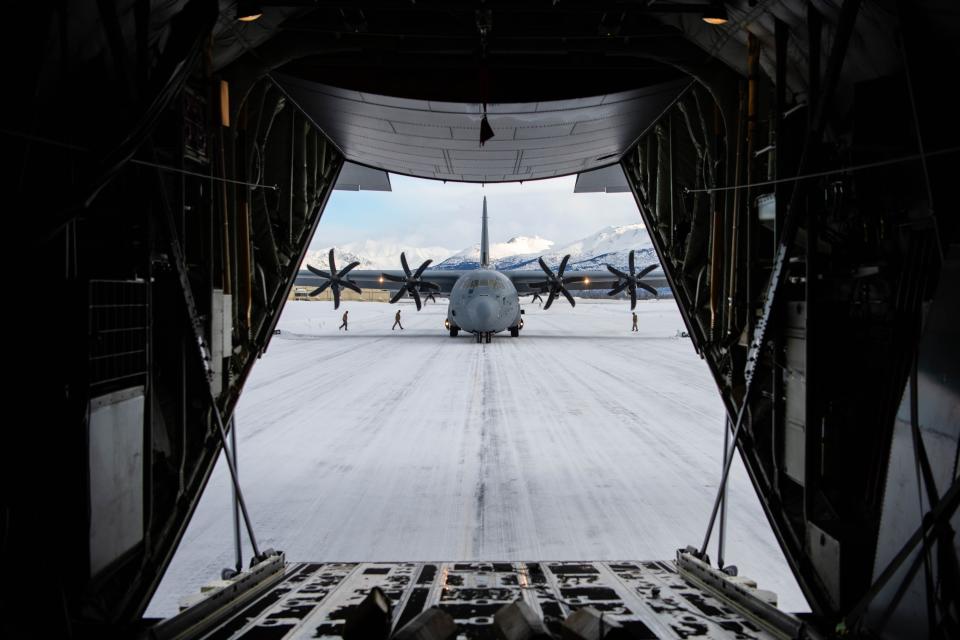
pixel 425 213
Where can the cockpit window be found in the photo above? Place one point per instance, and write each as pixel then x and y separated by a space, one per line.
pixel 491 283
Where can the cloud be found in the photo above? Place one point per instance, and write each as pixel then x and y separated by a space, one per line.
pixel 430 213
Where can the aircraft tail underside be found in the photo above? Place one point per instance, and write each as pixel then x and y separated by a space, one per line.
pixel 484 239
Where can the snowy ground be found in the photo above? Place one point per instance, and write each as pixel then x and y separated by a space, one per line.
pixel 578 440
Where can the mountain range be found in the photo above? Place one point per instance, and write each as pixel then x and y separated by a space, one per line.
pixel 609 245
pixel 375 254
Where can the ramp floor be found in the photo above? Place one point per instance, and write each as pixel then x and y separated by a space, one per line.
pixel 650 599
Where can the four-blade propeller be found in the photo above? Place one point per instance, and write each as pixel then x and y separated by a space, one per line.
pixel 412 282
pixel 631 281
pixel 336 281
pixel 555 284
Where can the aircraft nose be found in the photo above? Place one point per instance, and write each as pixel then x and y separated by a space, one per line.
pixel 484 311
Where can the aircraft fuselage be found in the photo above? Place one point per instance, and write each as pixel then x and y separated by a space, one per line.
pixel 484 301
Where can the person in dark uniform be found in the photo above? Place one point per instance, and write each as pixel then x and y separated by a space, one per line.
pixel 634 322
pixel 344 325
pixel 396 321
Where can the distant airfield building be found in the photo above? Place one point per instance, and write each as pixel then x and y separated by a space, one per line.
pixel 299 292
pixel 662 292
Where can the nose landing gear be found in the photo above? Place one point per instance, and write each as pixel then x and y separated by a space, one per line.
pixel 484 336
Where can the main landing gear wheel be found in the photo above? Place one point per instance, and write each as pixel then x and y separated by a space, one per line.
pixel 454 332
pixel 514 332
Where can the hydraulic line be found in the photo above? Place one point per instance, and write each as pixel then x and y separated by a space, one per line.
pixel 143 163
pixel 833 172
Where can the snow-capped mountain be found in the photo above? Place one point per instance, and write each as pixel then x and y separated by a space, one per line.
pixel 374 254
pixel 610 245
pixel 514 249
pixel 608 240
pixel 320 259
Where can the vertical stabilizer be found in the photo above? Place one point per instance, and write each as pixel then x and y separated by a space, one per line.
pixel 484 239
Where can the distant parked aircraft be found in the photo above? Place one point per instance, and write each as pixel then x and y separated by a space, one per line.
pixel 483 301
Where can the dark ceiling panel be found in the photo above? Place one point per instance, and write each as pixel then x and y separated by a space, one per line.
pixel 606 180
pixel 354 177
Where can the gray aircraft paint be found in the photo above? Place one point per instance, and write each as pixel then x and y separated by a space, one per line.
pixel 484 301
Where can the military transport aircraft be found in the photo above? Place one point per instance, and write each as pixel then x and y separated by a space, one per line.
pixel 483 301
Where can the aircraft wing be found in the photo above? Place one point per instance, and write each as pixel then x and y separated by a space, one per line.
pixel 593 279
pixel 374 279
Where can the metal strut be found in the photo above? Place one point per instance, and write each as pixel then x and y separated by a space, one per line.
pixel 237 547
pixel 233 475
pixel 934 523
pixel 925 484
pixel 728 453
pixel 721 537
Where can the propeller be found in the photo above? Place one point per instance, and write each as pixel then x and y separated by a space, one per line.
pixel 336 281
pixel 412 282
pixel 632 280
pixel 555 283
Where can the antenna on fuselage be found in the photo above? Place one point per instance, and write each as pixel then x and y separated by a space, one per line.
pixel 484 239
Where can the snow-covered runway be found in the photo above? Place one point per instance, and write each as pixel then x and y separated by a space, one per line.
pixel 579 440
